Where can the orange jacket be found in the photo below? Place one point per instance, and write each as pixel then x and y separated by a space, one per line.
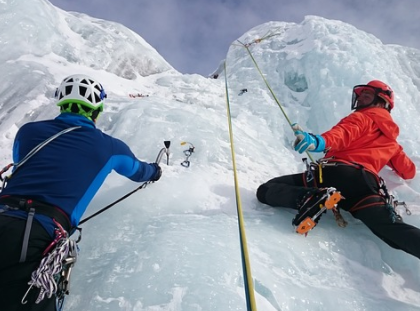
pixel 368 137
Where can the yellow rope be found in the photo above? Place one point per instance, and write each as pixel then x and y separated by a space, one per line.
pixel 248 282
pixel 338 217
pixel 246 46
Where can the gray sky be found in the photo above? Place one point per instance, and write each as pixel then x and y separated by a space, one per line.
pixel 195 35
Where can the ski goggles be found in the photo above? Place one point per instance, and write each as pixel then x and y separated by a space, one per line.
pixel 366 95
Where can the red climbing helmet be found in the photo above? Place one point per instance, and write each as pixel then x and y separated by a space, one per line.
pixel 379 90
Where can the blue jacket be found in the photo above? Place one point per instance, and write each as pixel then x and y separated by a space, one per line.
pixel 69 170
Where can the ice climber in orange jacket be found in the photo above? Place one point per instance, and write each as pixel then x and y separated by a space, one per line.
pixel 356 149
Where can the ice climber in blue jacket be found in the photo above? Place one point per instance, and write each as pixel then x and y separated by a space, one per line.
pixel 52 188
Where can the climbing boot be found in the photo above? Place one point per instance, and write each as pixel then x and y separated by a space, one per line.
pixel 312 206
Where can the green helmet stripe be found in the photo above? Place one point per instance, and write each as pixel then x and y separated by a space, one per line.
pixel 80 104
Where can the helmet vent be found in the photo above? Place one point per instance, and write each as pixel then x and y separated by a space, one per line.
pixel 85 109
pixel 69 88
pixel 82 90
pixel 89 98
pixel 97 98
pixel 74 108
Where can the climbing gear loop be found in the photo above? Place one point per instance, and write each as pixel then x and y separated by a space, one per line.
pixel 393 204
pixel 53 274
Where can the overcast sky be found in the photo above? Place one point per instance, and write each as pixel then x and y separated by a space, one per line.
pixel 195 35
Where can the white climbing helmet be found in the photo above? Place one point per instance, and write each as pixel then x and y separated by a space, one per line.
pixel 82 91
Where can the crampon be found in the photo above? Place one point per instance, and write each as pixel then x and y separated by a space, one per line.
pixel 312 207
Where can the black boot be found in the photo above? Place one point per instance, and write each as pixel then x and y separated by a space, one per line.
pixel 312 206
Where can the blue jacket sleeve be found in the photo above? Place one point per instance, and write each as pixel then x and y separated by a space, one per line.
pixel 125 163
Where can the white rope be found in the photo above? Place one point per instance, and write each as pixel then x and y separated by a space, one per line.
pixel 50 266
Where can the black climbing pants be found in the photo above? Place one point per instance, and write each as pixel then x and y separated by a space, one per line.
pixel 14 276
pixel 359 188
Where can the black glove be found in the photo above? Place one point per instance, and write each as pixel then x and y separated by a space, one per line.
pixel 158 172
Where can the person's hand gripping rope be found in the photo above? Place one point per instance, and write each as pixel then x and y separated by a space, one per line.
pixel 307 141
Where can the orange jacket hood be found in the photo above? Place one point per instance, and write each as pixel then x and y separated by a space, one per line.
pixel 383 120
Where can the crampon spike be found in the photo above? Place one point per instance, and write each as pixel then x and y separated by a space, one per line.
pixel 333 197
pixel 305 226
